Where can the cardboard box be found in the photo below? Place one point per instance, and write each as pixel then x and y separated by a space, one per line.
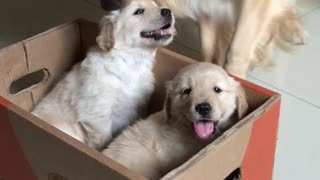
pixel 32 149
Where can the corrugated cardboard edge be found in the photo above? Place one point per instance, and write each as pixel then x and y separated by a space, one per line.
pixel 256 87
pixel 4 102
pixel 250 118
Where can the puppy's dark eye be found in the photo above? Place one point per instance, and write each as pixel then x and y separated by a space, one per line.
pixel 217 89
pixel 138 11
pixel 187 91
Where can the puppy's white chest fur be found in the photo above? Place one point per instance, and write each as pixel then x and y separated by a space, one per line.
pixel 101 95
pixel 135 87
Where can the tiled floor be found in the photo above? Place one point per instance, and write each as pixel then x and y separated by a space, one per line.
pixel 294 76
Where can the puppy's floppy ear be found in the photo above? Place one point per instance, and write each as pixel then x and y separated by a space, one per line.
pixel 105 39
pixel 168 102
pixel 241 102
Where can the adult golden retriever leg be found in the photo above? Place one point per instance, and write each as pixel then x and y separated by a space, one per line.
pixel 253 21
pixel 208 38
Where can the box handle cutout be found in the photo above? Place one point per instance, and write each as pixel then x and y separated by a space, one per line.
pixel 29 81
pixel 234 175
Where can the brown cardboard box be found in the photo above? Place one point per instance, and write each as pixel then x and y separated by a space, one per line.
pixel 32 149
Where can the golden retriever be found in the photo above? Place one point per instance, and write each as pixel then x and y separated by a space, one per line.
pixel 241 34
pixel 202 102
pixel 106 91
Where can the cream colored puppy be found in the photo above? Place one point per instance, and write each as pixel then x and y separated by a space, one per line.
pixel 202 102
pixel 104 93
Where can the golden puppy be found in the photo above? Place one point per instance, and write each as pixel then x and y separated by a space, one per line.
pixel 241 34
pixel 202 102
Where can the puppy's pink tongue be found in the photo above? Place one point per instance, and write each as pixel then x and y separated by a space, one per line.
pixel 204 129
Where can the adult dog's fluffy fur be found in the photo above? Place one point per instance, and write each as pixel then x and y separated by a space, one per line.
pixel 202 101
pixel 104 93
pixel 241 34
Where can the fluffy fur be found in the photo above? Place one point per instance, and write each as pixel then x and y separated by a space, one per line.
pixel 240 35
pixel 105 92
pixel 166 139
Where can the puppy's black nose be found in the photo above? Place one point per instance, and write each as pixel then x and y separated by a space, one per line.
pixel 165 12
pixel 203 109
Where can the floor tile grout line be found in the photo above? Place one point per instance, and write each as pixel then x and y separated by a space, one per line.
pixel 288 93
